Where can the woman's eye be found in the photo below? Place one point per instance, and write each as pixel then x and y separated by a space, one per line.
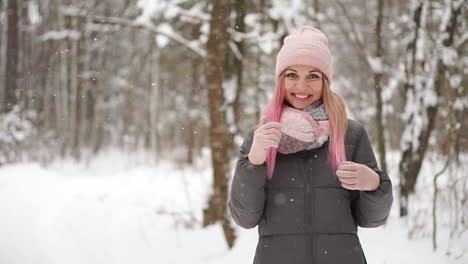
pixel 314 76
pixel 291 75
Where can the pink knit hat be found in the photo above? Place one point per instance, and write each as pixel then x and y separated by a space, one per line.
pixel 306 46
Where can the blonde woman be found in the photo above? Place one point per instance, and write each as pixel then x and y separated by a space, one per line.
pixel 307 175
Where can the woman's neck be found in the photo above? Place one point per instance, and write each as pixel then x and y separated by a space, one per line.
pixel 314 105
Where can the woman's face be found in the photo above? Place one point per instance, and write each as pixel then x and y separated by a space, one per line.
pixel 303 85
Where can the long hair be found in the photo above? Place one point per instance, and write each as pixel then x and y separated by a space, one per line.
pixel 336 111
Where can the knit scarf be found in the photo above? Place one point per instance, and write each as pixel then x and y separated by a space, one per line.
pixel 303 130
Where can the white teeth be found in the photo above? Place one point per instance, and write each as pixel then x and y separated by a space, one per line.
pixel 301 96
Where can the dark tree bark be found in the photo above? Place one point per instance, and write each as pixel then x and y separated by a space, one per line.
pixel 24 58
pixel 193 122
pixel 411 161
pixel 239 66
pixel 12 51
pixel 316 20
pixel 219 136
pixel 378 86
pixel 407 167
pixel 2 58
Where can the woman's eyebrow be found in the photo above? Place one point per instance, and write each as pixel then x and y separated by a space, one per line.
pixel 309 71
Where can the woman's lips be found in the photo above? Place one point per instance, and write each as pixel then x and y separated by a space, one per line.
pixel 301 97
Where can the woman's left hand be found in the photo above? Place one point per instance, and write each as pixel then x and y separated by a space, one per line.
pixel 355 176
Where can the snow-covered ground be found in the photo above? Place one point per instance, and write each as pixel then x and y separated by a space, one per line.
pixel 118 209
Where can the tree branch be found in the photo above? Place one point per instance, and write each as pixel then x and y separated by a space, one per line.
pixel 130 23
pixel 360 46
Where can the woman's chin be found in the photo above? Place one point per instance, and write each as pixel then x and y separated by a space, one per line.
pixel 301 105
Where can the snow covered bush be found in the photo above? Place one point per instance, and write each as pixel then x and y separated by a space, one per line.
pixel 16 130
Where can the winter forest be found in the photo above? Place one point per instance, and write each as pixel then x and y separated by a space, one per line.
pixel 121 121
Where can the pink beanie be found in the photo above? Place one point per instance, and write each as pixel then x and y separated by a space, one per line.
pixel 306 46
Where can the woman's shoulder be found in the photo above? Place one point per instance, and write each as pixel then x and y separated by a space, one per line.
pixel 354 131
pixel 354 125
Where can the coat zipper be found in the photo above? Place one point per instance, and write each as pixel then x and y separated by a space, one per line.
pixel 307 211
pixel 310 213
pixel 312 224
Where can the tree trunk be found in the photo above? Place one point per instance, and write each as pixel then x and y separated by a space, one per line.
pixel 64 84
pixel 153 81
pixel 193 122
pixel 378 88
pixel 411 161
pixel 24 59
pixel 84 84
pixel 316 19
pixel 239 66
pixel 219 136
pixel 75 91
pixel 12 51
pixel 406 173
pixel 2 57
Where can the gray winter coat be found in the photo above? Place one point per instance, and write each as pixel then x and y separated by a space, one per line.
pixel 304 215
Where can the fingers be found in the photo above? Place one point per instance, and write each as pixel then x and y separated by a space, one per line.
pixel 271 141
pixel 272 144
pixel 273 137
pixel 345 174
pixel 270 133
pixel 347 178
pixel 269 125
pixel 270 128
pixel 349 166
pixel 355 176
pixel 350 181
pixel 350 186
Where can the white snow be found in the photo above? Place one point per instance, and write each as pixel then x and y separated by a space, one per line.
pixel 33 13
pixel 60 34
pixel 14 128
pixel 122 208
pixel 149 10
pixel 450 56
pixel 268 42
pixel 375 63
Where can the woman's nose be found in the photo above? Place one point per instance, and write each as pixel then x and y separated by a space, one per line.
pixel 302 85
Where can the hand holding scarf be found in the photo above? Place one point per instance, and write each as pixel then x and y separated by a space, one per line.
pixel 266 136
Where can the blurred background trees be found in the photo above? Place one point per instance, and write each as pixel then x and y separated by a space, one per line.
pixel 176 76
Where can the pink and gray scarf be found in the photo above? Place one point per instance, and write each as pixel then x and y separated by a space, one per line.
pixel 303 129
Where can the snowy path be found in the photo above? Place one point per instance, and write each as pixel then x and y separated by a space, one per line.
pixel 97 216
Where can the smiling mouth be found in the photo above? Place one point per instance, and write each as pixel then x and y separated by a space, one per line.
pixel 302 96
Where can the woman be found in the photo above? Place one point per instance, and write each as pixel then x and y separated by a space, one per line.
pixel 307 175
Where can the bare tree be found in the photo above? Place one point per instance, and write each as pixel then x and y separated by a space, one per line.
pixel 423 93
pixel 2 56
pixel 12 51
pixel 219 134
pixel 379 117
pixel 240 8
pixel 374 66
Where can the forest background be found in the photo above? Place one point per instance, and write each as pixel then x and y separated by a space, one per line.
pixel 173 78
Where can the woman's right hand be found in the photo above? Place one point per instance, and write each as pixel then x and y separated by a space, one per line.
pixel 266 136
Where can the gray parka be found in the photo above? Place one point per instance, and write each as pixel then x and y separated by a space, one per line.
pixel 304 215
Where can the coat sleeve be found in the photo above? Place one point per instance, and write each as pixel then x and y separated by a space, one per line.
pixel 371 208
pixel 247 195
